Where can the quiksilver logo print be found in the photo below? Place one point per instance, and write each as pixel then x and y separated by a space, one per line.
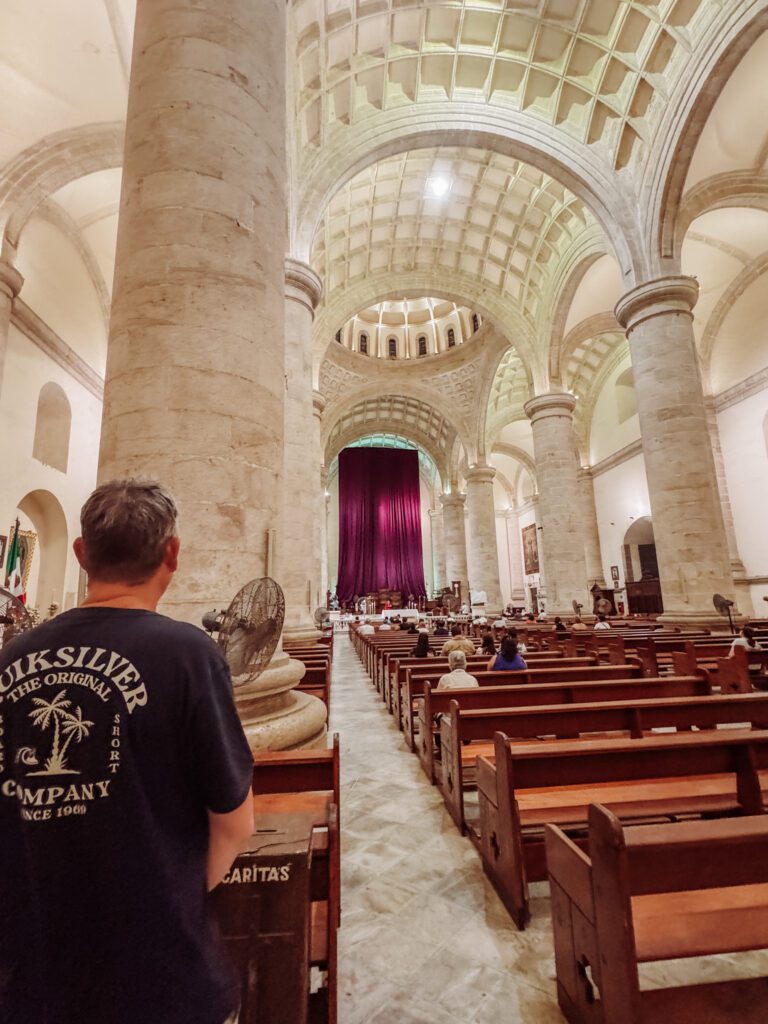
pixel 63 711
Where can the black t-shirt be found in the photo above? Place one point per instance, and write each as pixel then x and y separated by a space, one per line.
pixel 118 731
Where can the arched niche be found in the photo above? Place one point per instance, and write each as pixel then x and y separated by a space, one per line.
pixel 641 569
pixel 46 515
pixel 626 398
pixel 53 426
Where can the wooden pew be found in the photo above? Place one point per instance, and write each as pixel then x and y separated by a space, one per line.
pixel 531 785
pixel 737 674
pixel 468 733
pixel 281 924
pixel 561 671
pixel 657 893
pixel 480 708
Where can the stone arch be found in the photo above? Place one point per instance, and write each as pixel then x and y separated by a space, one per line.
pixel 53 427
pixel 44 510
pixel 39 171
pixel 754 270
pixel 398 131
pixel 451 287
pixel 734 188
pixel 674 151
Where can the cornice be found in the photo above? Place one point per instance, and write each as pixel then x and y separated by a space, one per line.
pixel 659 297
pixel 38 332
pixel 554 404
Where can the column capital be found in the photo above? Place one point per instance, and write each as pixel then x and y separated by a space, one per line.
pixel 10 280
pixel 585 473
pixel 453 500
pixel 434 512
pixel 554 404
pixel 318 404
pixel 302 284
pixel 480 475
pixel 659 297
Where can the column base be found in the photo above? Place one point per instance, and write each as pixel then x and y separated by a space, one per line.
pixel 301 632
pixel 274 715
pixel 703 619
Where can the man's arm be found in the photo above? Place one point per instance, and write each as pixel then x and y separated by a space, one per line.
pixel 227 837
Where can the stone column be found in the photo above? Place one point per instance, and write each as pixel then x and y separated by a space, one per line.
pixel 483 552
pixel 300 534
pixel 455 541
pixel 10 286
pixel 437 533
pixel 321 504
pixel 515 545
pixel 593 555
pixel 691 542
pixel 738 569
pixel 194 385
pixel 557 474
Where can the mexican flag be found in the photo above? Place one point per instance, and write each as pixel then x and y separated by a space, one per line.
pixel 13 577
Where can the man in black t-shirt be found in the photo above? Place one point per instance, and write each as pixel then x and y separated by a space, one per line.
pixel 125 792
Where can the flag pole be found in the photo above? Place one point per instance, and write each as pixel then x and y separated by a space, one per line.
pixel 12 547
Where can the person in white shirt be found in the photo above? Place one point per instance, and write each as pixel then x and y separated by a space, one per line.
pixel 366 627
pixel 458 678
pixel 601 623
pixel 383 626
pixel 745 639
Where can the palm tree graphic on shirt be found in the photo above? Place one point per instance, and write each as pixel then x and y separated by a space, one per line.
pixel 68 726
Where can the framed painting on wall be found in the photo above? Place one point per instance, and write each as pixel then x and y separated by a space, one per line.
pixel 27 541
pixel 530 549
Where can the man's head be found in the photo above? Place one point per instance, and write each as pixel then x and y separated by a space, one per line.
pixel 457 660
pixel 128 533
pixel 456 631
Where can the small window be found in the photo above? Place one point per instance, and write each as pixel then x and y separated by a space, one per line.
pixel 392 348
pixel 363 345
pixel 451 338
pixel 338 336
pixel 422 346
pixel 475 322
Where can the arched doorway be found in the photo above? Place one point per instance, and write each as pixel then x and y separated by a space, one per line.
pixel 641 569
pixel 44 513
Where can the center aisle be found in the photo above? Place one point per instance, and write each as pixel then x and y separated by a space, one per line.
pixel 424 938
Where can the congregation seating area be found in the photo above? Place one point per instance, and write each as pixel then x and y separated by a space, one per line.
pixel 654 739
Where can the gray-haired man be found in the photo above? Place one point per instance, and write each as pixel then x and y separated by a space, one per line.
pixel 125 791
pixel 458 678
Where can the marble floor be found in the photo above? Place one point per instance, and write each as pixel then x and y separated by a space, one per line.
pixel 424 938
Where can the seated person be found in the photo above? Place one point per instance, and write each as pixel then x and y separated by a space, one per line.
pixel 458 642
pixel 542 616
pixel 487 646
pixel 458 678
pixel 512 635
pixel 745 639
pixel 560 626
pixel 578 625
pixel 441 629
pixel 508 659
pixel 385 625
pixel 421 650
pixel 412 627
pixel 530 617
pixel 601 622
pixel 499 623
pixel 366 627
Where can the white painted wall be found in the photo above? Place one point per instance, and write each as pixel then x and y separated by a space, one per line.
pixel 744 440
pixel 607 434
pixel 621 497
pixel 27 369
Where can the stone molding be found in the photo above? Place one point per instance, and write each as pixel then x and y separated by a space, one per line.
pixel 11 280
pixel 302 283
pixel 740 392
pixel 433 513
pixel 554 404
pixel 660 297
pixel 38 332
pixel 318 404
pixel 619 457
pixel 480 475
pixel 453 500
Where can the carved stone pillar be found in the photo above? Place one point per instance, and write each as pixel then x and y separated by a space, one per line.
pixel 437 533
pixel 557 474
pixel 593 555
pixel 483 551
pixel 10 286
pixel 455 541
pixel 300 534
pixel 515 547
pixel 195 385
pixel 691 542
pixel 320 523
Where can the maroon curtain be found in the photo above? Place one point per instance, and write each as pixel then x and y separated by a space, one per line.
pixel 379 522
